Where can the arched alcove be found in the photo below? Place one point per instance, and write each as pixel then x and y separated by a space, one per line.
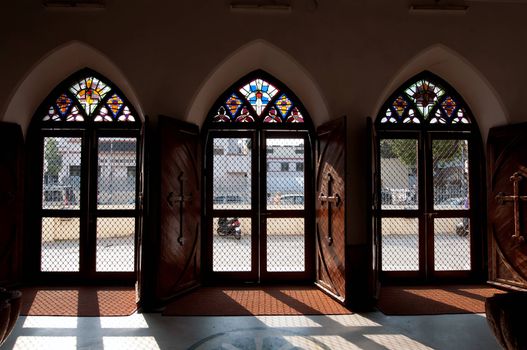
pixel 479 94
pixel 259 54
pixel 51 70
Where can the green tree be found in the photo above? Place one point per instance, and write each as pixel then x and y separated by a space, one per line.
pixel 406 150
pixel 53 157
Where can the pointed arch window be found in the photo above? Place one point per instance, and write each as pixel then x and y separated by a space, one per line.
pixel 428 183
pixel 86 138
pixel 257 99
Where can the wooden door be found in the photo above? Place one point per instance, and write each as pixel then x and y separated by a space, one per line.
pixel 507 209
pixel 331 208
pixel 178 253
pixel 11 194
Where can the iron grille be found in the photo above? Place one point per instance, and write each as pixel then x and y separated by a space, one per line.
pixel 61 173
pixel 285 174
pixel 452 244
pixel 116 173
pixel 451 180
pixel 400 244
pixel 115 244
pixel 60 244
pixel 231 251
pixel 232 173
pixel 399 183
pixel 285 244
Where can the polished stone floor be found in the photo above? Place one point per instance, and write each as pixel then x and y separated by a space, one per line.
pixel 371 330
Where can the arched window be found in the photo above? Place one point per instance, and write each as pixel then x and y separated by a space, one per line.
pixel 258 168
pixel 85 149
pixel 429 174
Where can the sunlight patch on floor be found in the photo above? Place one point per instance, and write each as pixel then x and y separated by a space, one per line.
pixel 45 343
pixel 396 341
pixel 50 322
pixel 287 321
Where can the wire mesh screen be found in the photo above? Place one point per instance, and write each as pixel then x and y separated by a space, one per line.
pixel 62 171
pixel 285 173
pixel 231 244
pixel 116 173
pixel 400 244
pixel 399 184
pixel 60 244
pixel 231 173
pixel 452 244
pixel 285 244
pixel 451 181
pixel 115 244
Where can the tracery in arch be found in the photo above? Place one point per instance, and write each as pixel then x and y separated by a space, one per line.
pixel 87 98
pixel 424 100
pixel 255 101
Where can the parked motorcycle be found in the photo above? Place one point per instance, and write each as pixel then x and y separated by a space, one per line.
pixel 229 227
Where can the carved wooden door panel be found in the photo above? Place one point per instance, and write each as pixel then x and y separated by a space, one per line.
pixel 331 208
pixel 507 206
pixel 11 146
pixel 179 241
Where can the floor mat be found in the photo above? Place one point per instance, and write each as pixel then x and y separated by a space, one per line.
pixel 434 300
pixel 78 301
pixel 215 301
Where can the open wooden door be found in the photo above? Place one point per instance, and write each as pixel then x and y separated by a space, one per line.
pixel 507 206
pixel 174 249
pixel 331 208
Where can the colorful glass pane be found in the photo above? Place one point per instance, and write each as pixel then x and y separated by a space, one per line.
pixel 63 104
pixel 52 115
pixel 284 104
pixel 295 116
pixel 233 103
pixel 460 117
pixel 411 118
pixel 75 115
pixel 399 105
pixel 103 116
pixel 425 95
pixel 388 117
pixel 438 118
pixel 272 117
pixel 258 92
pixel 245 116
pixel 449 105
pixel 127 115
pixel 115 103
pixel 89 92
pixel 221 117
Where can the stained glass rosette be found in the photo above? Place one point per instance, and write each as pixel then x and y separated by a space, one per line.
pixel 89 92
pixel 259 93
pixel 425 95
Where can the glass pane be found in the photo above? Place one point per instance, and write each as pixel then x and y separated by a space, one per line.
pixel 231 244
pixel 60 244
pixel 62 173
pixel 452 244
pixel 285 244
pixel 451 181
pixel 400 244
pixel 232 173
pixel 115 244
pixel 116 173
pixel 285 173
pixel 399 174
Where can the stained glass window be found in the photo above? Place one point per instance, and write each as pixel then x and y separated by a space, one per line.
pixel 424 101
pixel 88 98
pixel 257 100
